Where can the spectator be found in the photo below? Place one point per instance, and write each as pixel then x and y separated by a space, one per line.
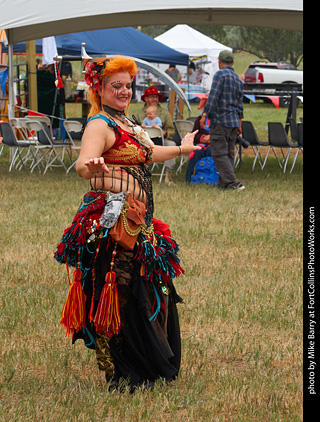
pixel 202 139
pixel 151 97
pixel 152 118
pixel 173 72
pixel 192 78
pixel 225 111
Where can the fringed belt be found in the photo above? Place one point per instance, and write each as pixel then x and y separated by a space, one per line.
pixel 155 250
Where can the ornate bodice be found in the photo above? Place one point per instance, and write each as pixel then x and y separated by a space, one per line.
pixel 127 150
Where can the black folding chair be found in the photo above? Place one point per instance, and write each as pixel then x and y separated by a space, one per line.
pixel 278 138
pixel 249 134
pixel 296 130
pixel 10 140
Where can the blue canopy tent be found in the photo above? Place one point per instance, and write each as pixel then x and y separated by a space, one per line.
pixel 127 41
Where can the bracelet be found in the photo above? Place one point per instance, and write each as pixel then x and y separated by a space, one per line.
pixel 180 151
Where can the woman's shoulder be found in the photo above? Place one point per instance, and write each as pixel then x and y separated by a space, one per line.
pixel 110 122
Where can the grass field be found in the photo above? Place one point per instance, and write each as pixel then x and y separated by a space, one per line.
pixel 241 320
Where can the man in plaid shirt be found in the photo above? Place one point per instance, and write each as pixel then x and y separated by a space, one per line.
pixel 224 109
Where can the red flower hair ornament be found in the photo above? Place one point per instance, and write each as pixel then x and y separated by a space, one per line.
pixel 93 72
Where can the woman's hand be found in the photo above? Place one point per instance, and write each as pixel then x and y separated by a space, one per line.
pixel 202 122
pixel 96 165
pixel 1 136
pixel 187 143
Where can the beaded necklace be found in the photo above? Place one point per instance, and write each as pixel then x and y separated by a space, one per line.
pixel 140 135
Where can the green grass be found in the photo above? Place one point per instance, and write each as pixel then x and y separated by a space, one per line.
pixel 241 321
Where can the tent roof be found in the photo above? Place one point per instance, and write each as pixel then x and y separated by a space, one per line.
pixel 127 41
pixel 29 19
pixel 187 40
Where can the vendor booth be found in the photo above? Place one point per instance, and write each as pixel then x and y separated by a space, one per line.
pixel 198 46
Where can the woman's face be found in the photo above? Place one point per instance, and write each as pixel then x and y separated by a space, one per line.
pixel 117 91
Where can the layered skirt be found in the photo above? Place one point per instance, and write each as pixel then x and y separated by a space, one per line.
pixel 122 303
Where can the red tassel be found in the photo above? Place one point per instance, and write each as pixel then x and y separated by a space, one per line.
pixel 74 309
pixel 59 83
pixel 178 270
pixel 107 319
pixel 161 228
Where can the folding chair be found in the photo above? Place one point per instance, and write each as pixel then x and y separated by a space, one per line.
pixel 278 138
pixel 72 127
pixel 156 132
pixel 183 127
pixel 18 124
pixel 249 134
pixel 296 130
pixel 192 118
pixel 10 140
pixel 48 147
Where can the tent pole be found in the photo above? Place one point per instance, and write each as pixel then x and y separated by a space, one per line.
pixel 32 74
pixel 10 78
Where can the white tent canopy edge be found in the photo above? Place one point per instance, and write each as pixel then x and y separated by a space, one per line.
pixel 28 20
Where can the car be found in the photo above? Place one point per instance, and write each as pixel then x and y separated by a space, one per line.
pixel 250 74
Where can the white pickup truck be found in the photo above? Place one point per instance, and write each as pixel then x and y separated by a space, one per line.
pixel 278 76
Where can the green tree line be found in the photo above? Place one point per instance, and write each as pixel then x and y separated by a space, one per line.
pixel 272 45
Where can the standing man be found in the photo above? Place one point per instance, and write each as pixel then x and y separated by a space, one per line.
pixel 224 109
pixel 152 97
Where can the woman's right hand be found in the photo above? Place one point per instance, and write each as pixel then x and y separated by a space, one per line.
pixel 187 145
pixel 96 165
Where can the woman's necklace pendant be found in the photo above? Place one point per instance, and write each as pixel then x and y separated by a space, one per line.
pixel 120 115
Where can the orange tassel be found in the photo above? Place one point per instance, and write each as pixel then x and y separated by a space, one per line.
pixel 74 309
pixel 107 319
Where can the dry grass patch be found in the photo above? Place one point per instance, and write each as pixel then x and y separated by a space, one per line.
pixel 241 321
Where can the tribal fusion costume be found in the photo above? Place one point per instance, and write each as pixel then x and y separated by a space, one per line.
pixel 122 303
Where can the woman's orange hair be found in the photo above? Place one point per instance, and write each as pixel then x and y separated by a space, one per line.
pixel 113 65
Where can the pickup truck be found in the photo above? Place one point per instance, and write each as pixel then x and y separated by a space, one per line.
pixel 279 76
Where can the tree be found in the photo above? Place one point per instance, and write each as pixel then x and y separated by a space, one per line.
pixel 273 45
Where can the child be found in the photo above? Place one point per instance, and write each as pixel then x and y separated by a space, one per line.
pixel 152 118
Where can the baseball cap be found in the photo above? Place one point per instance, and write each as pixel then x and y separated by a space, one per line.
pixel 226 56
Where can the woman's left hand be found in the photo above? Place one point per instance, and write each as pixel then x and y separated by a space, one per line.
pixel 187 145
pixel 1 136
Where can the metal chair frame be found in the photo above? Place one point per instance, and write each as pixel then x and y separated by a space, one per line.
pixel 10 140
pixel 48 146
pixel 19 124
pixel 156 132
pixel 249 134
pixel 182 128
pixel 296 130
pixel 278 138
pixel 73 126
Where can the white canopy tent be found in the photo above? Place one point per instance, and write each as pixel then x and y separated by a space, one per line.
pixel 189 41
pixel 33 19
pixel 26 20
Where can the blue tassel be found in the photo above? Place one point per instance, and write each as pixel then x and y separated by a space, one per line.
pixel 154 316
pixel 85 329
